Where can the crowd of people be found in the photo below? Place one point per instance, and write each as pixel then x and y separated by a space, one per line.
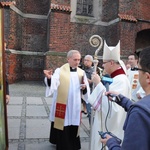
pixel 126 116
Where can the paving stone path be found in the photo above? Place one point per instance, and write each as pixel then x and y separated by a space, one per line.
pixel 28 123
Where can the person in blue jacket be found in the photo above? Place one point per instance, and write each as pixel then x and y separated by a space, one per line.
pixel 137 123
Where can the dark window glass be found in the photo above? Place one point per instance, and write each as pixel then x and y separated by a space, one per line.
pixel 84 7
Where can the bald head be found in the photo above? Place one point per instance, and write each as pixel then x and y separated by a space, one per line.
pixel 88 60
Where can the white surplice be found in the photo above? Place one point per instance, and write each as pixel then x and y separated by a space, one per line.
pixel 73 106
pixel 116 116
pixel 133 77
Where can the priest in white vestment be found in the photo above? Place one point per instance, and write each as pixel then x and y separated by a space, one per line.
pixel 109 116
pixel 133 76
pixel 68 84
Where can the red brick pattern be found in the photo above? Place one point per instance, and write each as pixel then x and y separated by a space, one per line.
pixel 138 9
pixel 58 34
pixel 40 7
pixel 14 67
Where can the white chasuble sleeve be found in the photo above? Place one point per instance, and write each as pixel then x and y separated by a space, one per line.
pixel 85 96
pixel 95 99
pixel 54 83
pixel 111 115
pixel 47 87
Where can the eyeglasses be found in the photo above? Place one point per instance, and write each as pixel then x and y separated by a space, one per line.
pixel 140 69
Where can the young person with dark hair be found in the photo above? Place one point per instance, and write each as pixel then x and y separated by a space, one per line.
pixel 133 76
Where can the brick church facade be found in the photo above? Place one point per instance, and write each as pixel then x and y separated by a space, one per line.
pixel 39 33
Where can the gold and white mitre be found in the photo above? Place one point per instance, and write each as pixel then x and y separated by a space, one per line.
pixel 113 53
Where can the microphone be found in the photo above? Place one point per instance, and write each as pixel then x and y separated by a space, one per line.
pixel 107 81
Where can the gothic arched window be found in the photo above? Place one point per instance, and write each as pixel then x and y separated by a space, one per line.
pixel 84 7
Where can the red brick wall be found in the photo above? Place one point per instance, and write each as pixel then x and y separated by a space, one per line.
pixel 40 7
pixel 14 40
pixel 34 35
pixel 65 36
pixel 129 30
pixel 127 37
pixel 137 8
pixel 64 2
pixel 26 34
pixel 110 9
pixel 59 31
pixel 13 67
pixel 128 7
pixel 55 61
pixel 77 35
